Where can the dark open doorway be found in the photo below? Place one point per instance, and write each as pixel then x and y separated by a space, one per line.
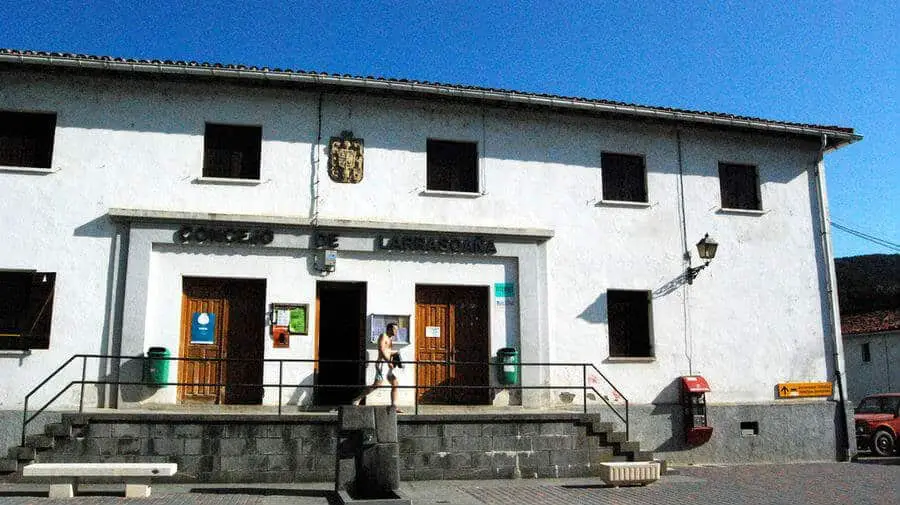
pixel 340 336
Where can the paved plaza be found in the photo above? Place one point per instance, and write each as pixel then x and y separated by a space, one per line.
pixel 870 481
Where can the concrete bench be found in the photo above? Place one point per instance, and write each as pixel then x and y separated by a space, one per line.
pixel 64 476
pixel 630 473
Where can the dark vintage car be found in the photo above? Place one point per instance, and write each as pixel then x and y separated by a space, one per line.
pixel 878 423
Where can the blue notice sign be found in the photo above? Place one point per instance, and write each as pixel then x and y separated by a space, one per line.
pixel 203 328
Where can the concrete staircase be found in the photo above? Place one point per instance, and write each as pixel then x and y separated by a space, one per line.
pixel 300 447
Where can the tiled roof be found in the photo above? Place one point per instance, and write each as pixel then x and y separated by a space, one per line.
pixel 871 322
pixel 253 71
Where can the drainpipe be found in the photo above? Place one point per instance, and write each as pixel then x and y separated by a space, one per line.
pixel 832 316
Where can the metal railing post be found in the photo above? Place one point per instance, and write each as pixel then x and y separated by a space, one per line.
pixel 416 391
pixel 24 420
pixel 83 373
pixel 584 386
pixel 280 382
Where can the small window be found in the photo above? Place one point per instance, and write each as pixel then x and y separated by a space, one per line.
pixel 232 152
pixel 866 353
pixel 749 428
pixel 624 177
pixel 452 166
pixel 26 309
pixel 739 185
pixel 628 317
pixel 26 139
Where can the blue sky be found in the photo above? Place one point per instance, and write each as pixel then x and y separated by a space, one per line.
pixel 829 63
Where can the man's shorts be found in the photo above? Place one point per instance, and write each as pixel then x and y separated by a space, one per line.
pixel 379 372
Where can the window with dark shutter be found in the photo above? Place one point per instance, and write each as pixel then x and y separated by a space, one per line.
pixel 26 139
pixel 452 166
pixel 739 185
pixel 624 177
pixel 232 152
pixel 628 320
pixel 26 309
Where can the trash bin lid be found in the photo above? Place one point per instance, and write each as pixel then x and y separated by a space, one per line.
pixel 157 350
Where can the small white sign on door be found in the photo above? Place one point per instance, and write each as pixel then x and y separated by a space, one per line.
pixel 433 331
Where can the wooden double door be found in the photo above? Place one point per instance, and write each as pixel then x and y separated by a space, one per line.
pixel 452 328
pixel 232 313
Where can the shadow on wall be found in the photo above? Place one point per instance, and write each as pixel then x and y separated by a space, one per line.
pixel 670 286
pixel 666 404
pixel 132 370
pixel 103 227
pixel 303 393
pixel 596 312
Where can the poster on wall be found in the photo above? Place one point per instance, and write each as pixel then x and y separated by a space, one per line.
pixel 203 328
pixel 293 316
pixel 378 323
pixel 505 293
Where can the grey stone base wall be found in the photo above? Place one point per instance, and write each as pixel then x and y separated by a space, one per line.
pixel 302 449
pixel 792 431
pixel 498 450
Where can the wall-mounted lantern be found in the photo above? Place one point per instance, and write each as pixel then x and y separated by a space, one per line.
pixel 707 250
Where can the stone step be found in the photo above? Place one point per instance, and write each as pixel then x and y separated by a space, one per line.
pixel 643 456
pixel 76 420
pixel 602 427
pixel 632 446
pixel 39 442
pixel 8 466
pixel 59 430
pixel 615 437
pixel 20 453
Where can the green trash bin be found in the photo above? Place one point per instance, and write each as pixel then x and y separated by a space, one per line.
pixel 508 371
pixel 156 367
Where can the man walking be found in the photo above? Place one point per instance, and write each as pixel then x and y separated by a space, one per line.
pixel 385 350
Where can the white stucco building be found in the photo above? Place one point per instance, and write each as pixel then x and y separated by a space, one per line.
pixel 141 195
pixel 872 343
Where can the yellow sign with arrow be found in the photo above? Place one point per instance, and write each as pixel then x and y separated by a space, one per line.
pixel 804 389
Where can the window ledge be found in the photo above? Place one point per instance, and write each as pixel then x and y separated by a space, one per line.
pixel 624 359
pixel 227 180
pixel 28 170
pixel 622 203
pixel 15 352
pixel 743 212
pixel 449 194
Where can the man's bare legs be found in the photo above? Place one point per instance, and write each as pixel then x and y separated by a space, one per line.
pixel 377 384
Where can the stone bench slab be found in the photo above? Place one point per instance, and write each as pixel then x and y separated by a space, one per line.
pixel 63 476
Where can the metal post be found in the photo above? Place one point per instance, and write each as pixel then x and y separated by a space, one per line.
pixel 280 381
pixel 627 423
pixel 416 391
pixel 83 372
pixel 24 420
pixel 584 386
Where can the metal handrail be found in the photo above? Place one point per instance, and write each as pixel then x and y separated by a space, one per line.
pixel 280 384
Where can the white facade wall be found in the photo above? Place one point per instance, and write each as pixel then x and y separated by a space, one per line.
pixel 881 374
pixel 752 319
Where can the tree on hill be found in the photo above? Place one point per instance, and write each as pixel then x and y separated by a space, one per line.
pixel 868 283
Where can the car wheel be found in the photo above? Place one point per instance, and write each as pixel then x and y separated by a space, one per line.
pixel 883 443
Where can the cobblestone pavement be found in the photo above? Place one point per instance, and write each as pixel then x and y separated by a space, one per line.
pixel 816 483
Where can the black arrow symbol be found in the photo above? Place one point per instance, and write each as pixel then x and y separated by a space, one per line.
pixel 784 389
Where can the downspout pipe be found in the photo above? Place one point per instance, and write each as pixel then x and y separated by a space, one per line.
pixel 832 316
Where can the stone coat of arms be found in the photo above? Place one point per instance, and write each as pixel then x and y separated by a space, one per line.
pixel 345 163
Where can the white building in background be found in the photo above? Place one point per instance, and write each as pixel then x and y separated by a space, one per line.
pixel 872 343
pixel 229 211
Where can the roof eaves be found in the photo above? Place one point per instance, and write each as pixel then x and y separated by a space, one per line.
pixel 838 136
